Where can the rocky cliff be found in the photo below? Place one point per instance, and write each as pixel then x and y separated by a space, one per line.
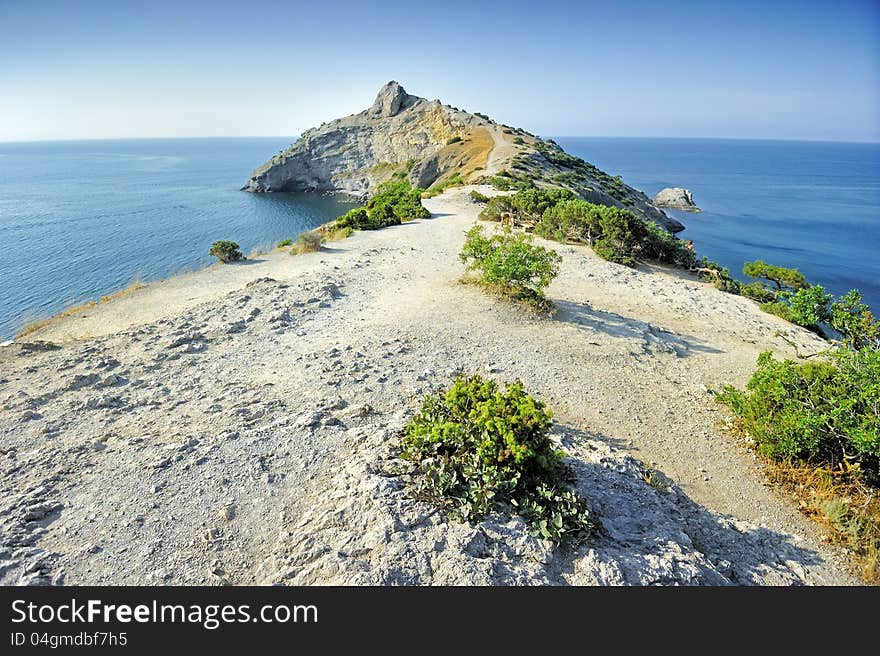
pixel 435 142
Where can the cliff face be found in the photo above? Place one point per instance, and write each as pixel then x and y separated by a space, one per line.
pixel 354 154
pixel 434 141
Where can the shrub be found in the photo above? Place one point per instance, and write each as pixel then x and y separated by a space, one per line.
pixel 719 276
pixel 854 321
pixel 226 251
pixel 309 242
pixel 809 306
pixel 782 278
pixel 779 308
pixel 823 413
pixel 757 292
pixel 512 264
pixel 381 215
pixel 477 197
pixel 355 219
pixel 337 234
pixel 405 201
pixel 284 242
pixel 479 449
pixel 454 180
pixel 453 140
pixel 501 183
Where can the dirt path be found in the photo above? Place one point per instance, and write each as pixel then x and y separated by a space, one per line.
pixel 235 390
pixel 503 152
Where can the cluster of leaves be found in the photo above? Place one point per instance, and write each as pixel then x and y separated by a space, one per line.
pixel 477 197
pixel 821 413
pixel 395 201
pixel 226 251
pixel 480 449
pixel 284 242
pixel 512 264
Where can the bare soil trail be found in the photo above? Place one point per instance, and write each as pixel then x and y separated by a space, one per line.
pixel 236 424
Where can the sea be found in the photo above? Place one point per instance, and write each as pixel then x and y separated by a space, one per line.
pixel 814 206
pixel 82 219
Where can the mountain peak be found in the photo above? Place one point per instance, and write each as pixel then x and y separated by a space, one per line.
pixel 391 98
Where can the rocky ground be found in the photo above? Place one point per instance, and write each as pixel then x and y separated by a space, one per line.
pixel 238 425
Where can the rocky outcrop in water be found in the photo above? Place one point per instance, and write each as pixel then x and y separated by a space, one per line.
pixel 676 198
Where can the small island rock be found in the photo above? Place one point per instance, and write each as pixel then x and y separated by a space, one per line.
pixel 676 198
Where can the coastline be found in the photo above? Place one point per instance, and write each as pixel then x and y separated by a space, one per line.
pixel 629 361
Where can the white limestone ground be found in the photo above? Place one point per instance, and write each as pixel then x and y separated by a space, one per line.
pixel 237 425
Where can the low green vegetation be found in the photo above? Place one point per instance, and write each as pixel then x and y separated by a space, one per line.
pixel 308 242
pixel 226 251
pixel 818 426
pixel 511 264
pixel 477 197
pixel 284 243
pixel 479 449
pixel 615 234
pixel 821 413
pixel 393 202
pixel 818 423
pixel 453 140
pixel 783 279
pixel 454 180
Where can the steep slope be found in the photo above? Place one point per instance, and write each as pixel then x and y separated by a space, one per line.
pixel 433 142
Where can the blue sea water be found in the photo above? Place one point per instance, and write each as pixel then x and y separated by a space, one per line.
pixel 81 219
pixel 810 205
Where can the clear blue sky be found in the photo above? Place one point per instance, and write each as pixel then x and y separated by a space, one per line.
pixel 774 69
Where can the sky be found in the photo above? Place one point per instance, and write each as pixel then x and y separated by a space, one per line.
pixel 127 69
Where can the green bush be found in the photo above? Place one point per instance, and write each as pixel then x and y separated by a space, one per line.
pixel 405 201
pixel 779 308
pixel 512 264
pixel 501 183
pixel 226 251
pixel 821 413
pixel 757 292
pixel 454 180
pixel 394 201
pixel 809 306
pixel 479 449
pixel 452 140
pixel 356 219
pixel 854 321
pixel 782 278
pixel 309 242
pixel 615 234
pixel 477 197
pixel 284 242
pixel 381 215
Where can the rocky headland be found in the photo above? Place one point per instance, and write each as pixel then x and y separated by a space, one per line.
pixel 240 424
pixel 434 142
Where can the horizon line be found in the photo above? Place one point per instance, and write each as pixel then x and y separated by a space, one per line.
pixel 560 136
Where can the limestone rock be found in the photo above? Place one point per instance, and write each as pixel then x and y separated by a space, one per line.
pixel 676 198
pixel 432 141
